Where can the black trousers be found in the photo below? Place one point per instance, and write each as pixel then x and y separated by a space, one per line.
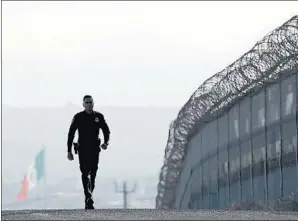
pixel 88 160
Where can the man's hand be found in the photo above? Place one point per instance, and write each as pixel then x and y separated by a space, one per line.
pixel 104 146
pixel 69 156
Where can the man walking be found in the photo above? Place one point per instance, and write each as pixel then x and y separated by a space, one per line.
pixel 88 123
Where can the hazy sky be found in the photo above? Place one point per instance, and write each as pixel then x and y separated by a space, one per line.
pixel 125 53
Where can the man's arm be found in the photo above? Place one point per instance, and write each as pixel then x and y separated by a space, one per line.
pixel 106 130
pixel 71 133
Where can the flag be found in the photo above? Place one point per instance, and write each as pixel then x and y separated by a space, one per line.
pixel 35 173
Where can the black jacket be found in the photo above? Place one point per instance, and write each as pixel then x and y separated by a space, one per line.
pixel 88 126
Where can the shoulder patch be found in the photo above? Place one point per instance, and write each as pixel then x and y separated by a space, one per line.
pixel 96 119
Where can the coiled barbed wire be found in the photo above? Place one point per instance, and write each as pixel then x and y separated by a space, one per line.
pixel 275 53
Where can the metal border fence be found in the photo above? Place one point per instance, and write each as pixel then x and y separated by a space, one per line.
pixel 277 52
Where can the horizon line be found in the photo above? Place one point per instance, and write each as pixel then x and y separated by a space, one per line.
pixel 96 106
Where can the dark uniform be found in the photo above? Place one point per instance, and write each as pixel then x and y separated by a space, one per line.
pixel 88 126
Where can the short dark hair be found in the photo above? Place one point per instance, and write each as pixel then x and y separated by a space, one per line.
pixel 87 96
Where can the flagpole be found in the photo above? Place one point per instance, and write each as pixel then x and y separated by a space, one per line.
pixel 44 179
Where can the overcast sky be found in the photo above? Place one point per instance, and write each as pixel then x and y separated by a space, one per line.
pixel 125 53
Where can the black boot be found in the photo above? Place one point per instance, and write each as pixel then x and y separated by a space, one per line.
pixel 89 203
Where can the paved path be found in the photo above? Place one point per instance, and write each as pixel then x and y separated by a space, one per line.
pixel 142 214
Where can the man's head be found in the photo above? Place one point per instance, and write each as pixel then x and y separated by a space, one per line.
pixel 88 102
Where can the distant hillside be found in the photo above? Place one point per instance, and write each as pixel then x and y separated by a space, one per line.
pixel 138 139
